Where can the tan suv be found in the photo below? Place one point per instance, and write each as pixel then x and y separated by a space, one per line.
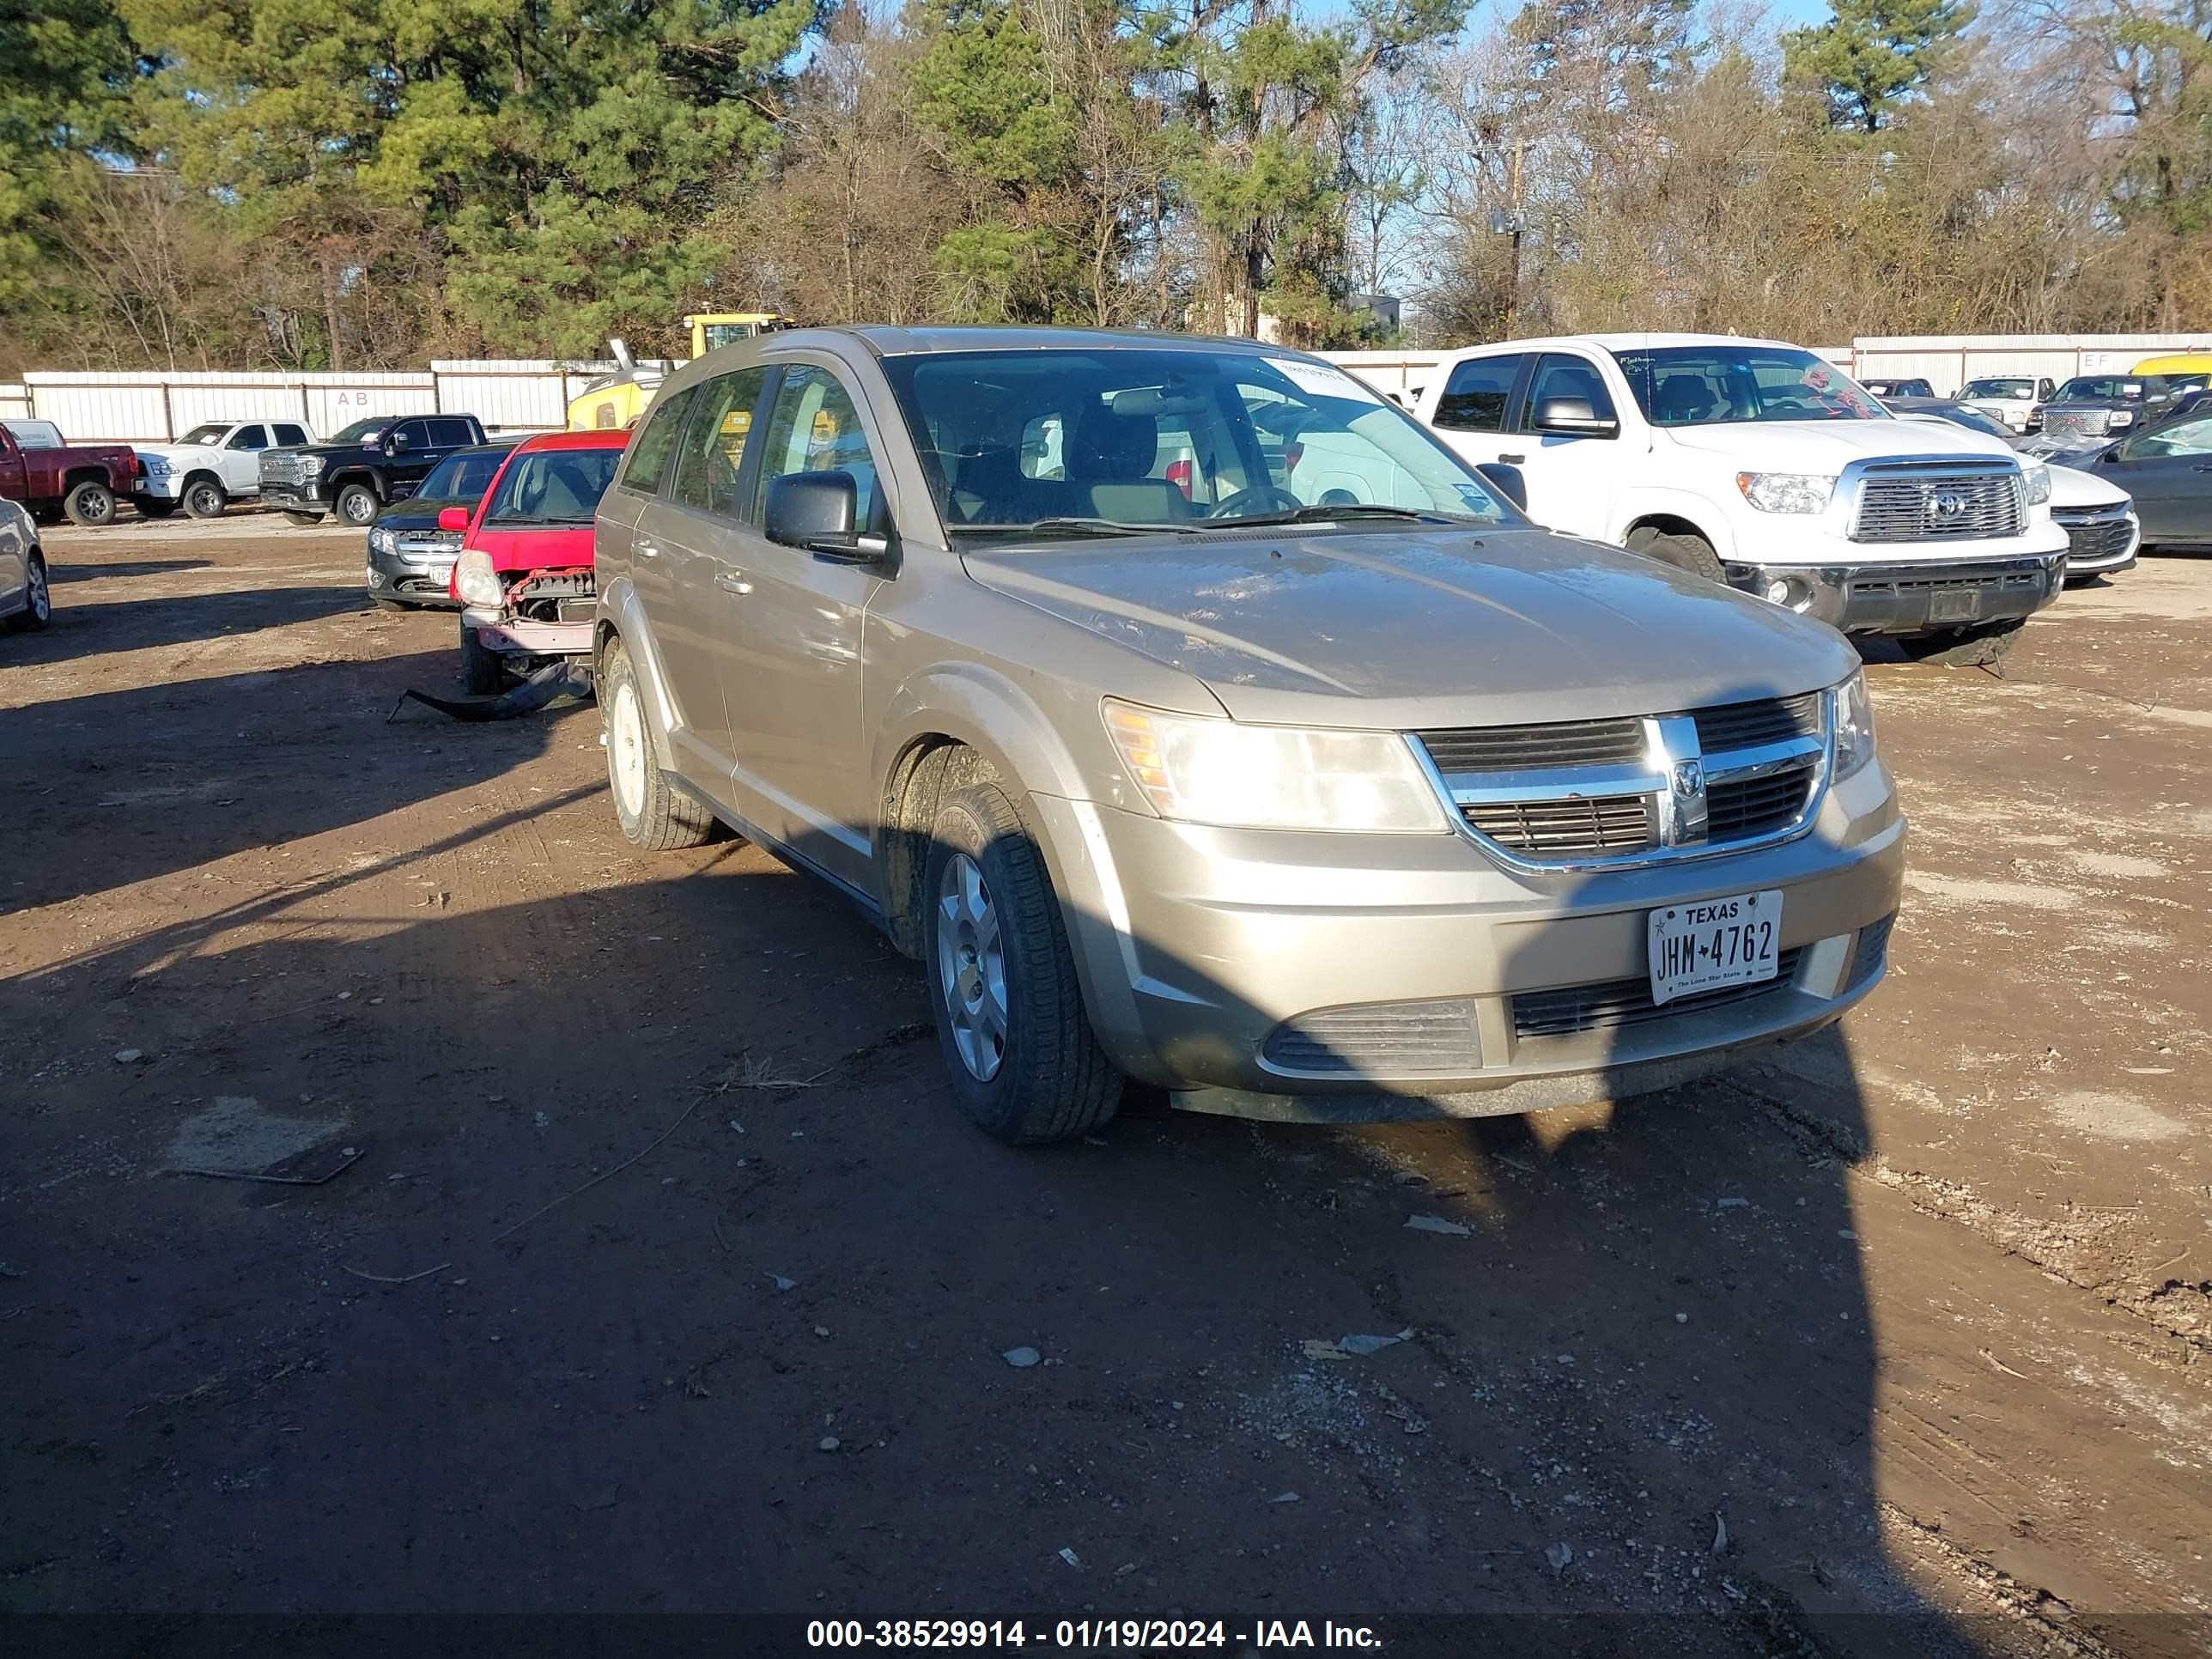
pixel 1195 717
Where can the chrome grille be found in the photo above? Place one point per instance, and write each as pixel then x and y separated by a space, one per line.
pixel 1950 504
pixel 2095 534
pixel 1748 725
pixel 2075 422
pixel 1613 1003
pixel 1379 1039
pixel 1510 748
pixel 1560 829
pixel 278 467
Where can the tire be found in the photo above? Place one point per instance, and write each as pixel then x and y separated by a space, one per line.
pixel 1964 648
pixel 483 672
pixel 90 503
pixel 1685 552
pixel 154 506
pixel 205 498
pixel 653 813
pixel 303 519
pixel 40 610
pixel 357 506
pixel 996 949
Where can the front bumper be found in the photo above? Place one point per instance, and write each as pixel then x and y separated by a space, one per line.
pixel 1197 947
pixel 2101 541
pixel 417 574
pixel 170 487
pixel 307 497
pixel 517 636
pixel 1898 597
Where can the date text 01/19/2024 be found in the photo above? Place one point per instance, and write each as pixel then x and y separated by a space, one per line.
pixel 1085 1634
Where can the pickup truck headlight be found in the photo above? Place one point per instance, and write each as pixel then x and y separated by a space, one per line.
pixel 1851 717
pixel 1786 492
pixel 477 582
pixel 310 466
pixel 1270 777
pixel 155 466
pixel 2039 484
pixel 2120 417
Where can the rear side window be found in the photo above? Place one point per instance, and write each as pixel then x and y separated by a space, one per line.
pixel 649 451
pixel 714 447
pixel 1474 396
pixel 451 434
pixel 291 435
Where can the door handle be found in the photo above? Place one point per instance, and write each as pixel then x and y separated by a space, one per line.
pixel 647 549
pixel 732 581
pixel 1511 460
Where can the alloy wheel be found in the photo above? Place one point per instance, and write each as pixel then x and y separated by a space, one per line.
pixel 971 967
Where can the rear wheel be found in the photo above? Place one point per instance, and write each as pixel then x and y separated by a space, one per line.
pixel 90 503
pixel 1680 548
pixel 1025 1066
pixel 39 601
pixel 1964 648
pixel 357 505
pixel 205 498
pixel 483 672
pixel 303 519
pixel 654 814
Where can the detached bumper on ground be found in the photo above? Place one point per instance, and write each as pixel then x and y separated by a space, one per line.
pixel 1413 976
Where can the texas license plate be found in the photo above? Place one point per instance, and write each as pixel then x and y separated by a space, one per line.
pixel 1714 943
pixel 1955 604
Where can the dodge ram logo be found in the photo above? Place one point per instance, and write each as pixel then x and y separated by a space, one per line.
pixel 1945 505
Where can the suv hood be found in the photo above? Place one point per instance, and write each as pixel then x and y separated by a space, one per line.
pixel 1400 629
pixel 1826 446
pixel 2071 487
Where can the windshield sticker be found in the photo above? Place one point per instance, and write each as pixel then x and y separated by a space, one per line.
pixel 1322 380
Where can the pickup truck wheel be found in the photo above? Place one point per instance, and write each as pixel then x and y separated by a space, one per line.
pixel 303 519
pixel 1025 1066
pixel 1964 648
pixel 154 506
pixel 205 499
pixel 357 506
pixel 38 602
pixel 90 503
pixel 483 672
pixel 1685 552
pixel 654 814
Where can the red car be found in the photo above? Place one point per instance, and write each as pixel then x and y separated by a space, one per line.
pixel 523 577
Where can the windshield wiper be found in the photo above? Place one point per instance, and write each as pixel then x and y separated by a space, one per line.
pixel 1070 526
pixel 1324 514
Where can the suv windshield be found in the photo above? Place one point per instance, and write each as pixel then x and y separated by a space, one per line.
pixel 1972 419
pixel 553 486
pixel 1721 384
pixel 361 431
pixel 2125 388
pixel 462 477
pixel 212 433
pixel 1998 389
pixel 1096 441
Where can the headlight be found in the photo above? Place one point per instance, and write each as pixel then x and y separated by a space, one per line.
pixel 1269 777
pixel 1850 716
pixel 310 466
pixel 382 540
pixel 2039 484
pixel 2120 417
pixel 477 582
pixel 1786 492
pixel 156 466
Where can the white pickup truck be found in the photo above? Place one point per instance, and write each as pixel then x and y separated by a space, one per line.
pixel 209 467
pixel 1761 465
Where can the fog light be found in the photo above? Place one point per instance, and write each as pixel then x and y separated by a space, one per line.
pixel 1779 591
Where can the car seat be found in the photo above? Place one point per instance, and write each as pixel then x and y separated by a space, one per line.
pixel 1110 462
pixel 1682 398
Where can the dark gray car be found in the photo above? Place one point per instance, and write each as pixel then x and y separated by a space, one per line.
pixel 1194 716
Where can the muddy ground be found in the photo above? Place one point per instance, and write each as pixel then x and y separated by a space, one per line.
pixel 1901 1342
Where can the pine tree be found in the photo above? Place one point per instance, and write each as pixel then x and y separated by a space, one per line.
pixel 1873 56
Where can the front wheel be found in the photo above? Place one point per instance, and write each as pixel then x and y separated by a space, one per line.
pixel 302 519
pixel 1680 548
pixel 90 503
pixel 653 813
pixel 483 672
pixel 38 600
pixel 154 506
pixel 205 499
pixel 1025 1066
pixel 1964 648
pixel 357 506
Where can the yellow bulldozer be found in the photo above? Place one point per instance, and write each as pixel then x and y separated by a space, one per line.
pixel 617 399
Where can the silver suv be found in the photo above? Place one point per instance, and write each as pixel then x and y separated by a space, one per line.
pixel 1195 717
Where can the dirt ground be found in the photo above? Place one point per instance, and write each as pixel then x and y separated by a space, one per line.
pixel 1901 1342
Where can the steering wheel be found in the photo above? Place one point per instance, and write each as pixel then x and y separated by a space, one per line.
pixel 1278 500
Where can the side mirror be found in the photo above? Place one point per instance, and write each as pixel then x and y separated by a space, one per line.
pixel 452 518
pixel 396 444
pixel 1574 415
pixel 817 512
pixel 1506 481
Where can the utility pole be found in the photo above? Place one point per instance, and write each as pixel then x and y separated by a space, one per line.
pixel 1511 224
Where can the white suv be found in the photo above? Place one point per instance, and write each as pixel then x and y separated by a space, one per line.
pixel 1759 465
